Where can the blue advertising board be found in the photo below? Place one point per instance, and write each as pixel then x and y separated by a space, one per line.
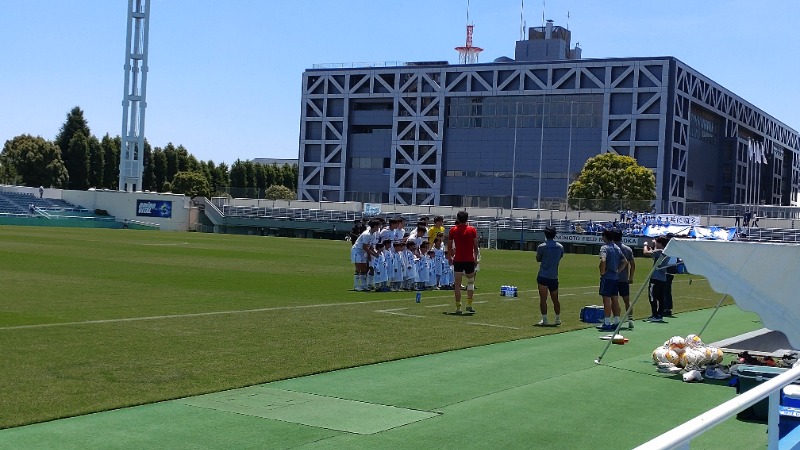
pixel 154 208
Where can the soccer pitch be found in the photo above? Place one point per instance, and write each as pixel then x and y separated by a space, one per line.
pixel 96 319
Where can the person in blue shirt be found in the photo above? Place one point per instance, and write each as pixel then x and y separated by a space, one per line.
pixel 611 263
pixel 549 255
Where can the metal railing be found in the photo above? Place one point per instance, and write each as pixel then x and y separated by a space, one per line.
pixel 681 436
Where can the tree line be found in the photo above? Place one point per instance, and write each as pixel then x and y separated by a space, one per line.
pixel 78 160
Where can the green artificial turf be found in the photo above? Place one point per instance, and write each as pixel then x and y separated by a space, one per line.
pixel 97 319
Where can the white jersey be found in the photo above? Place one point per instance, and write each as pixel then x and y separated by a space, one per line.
pixel 366 238
pixel 357 253
pixel 387 234
pixel 416 237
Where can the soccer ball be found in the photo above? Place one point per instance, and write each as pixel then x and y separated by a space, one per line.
pixel 693 340
pixel 715 355
pixel 660 355
pixel 692 358
pixel 673 357
pixel 677 342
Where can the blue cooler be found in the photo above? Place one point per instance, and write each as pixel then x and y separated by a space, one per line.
pixel 789 411
pixel 592 314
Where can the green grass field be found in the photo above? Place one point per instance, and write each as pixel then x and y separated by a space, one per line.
pixel 96 319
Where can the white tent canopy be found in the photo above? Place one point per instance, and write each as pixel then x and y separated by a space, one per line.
pixel 762 278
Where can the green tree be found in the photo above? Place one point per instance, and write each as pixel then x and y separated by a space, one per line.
pixel 192 184
pixel 75 123
pixel 148 174
pixel 277 192
pixel 111 148
pixel 609 181
pixel 78 163
pixel 159 168
pixel 96 162
pixel 32 161
pixel 271 174
pixel 171 153
pixel 261 177
pixel 289 176
pixel 220 179
pixel 238 175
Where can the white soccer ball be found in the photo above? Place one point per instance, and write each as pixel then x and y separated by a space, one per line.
pixel 693 340
pixel 659 355
pixel 692 358
pixel 677 342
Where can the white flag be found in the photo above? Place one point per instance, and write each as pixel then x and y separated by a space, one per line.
pixel 750 150
pixel 763 155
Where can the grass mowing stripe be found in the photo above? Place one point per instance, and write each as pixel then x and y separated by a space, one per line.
pixel 94 320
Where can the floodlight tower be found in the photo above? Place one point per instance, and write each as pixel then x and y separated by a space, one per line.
pixel 131 161
pixel 468 54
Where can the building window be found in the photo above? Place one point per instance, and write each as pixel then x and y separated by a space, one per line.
pixel 560 111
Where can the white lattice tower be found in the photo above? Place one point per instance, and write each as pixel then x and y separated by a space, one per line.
pixel 131 161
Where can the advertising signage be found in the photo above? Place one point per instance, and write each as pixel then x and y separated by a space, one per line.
pixel 154 208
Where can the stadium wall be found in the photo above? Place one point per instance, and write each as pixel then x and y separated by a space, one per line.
pixel 126 205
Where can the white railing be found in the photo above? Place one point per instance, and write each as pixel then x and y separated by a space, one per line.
pixel 681 436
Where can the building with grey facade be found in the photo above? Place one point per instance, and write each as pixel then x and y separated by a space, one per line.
pixel 514 132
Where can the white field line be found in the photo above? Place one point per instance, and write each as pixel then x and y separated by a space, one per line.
pixel 220 313
pixel 396 312
pixel 492 325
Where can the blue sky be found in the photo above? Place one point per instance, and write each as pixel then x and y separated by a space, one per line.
pixel 225 77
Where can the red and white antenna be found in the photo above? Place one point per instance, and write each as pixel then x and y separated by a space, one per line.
pixel 468 54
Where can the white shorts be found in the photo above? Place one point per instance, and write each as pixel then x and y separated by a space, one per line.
pixel 358 256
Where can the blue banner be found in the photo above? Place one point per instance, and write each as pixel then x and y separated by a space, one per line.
pixel 154 208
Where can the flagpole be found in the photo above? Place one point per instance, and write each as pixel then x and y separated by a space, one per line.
pixel 746 199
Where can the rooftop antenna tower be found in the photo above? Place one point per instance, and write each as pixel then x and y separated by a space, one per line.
pixel 131 161
pixel 522 24
pixel 468 54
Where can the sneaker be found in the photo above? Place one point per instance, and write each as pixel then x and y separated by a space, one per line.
pixel 557 322
pixel 542 323
pixel 630 324
pixel 607 327
pixel 716 374
pixel 458 312
pixel 654 319
pixel 470 309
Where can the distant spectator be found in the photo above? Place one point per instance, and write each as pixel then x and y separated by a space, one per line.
pixel 755 221
pixel 41 191
pixel 31 208
pixel 747 216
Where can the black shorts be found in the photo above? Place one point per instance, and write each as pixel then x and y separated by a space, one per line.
pixel 552 284
pixel 468 267
pixel 623 289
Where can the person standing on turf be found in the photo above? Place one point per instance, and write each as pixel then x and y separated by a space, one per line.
pixel 360 253
pixel 549 254
pixel 657 280
pixel 462 254
pixel 611 263
pixel 433 232
pixel 625 275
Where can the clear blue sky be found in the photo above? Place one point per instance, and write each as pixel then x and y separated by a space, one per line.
pixel 225 77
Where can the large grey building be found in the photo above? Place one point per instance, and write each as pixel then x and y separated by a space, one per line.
pixel 431 133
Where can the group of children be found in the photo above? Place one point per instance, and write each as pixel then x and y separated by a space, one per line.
pixel 406 267
pixel 397 260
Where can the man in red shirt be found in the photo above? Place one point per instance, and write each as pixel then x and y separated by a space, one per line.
pixel 462 254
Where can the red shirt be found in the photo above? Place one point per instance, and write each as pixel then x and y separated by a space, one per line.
pixel 463 237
